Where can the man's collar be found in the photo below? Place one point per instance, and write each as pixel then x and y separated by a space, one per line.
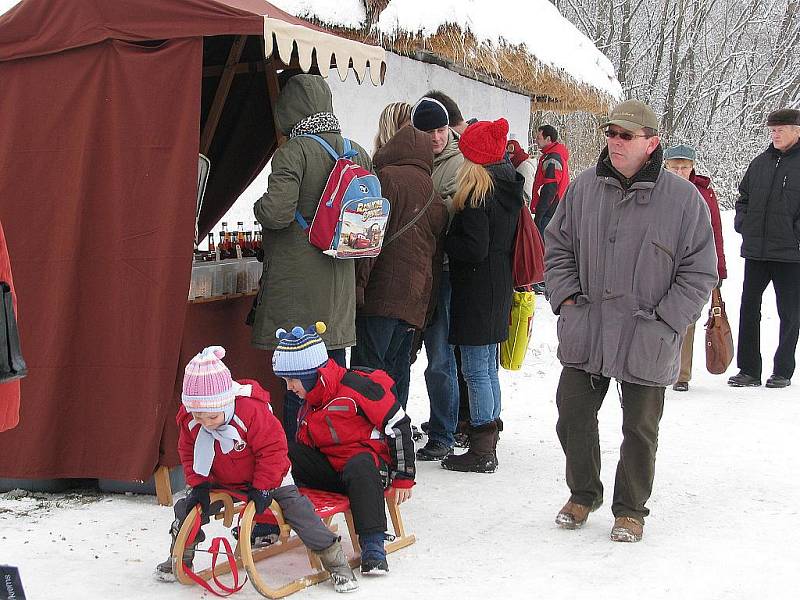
pixel 647 174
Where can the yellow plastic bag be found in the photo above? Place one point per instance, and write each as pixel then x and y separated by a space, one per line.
pixel 512 351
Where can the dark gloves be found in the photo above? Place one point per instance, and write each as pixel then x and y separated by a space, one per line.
pixel 200 495
pixel 261 498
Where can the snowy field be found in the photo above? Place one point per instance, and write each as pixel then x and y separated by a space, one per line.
pixel 722 523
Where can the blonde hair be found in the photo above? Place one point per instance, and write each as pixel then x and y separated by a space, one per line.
pixel 473 183
pixel 393 117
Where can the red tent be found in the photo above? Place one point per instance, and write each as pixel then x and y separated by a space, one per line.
pixel 104 106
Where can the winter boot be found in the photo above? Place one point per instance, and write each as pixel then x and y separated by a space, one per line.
pixel 264 534
pixel 574 515
pixel 164 570
pixel 373 554
pixel 627 529
pixel 499 422
pixel 335 562
pixel 462 435
pixel 480 456
pixel 433 450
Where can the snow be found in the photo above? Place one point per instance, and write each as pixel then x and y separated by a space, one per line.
pixel 535 23
pixel 721 525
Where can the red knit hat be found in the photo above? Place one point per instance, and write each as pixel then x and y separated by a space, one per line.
pixel 484 142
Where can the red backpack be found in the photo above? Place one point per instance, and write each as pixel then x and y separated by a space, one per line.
pixel 351 216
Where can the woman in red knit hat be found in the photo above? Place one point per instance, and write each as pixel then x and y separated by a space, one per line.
pixel 479 246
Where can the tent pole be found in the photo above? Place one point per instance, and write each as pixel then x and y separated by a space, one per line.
pixel 271 72
pixel 221 95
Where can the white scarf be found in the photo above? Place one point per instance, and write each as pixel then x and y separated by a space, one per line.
pixel 227 435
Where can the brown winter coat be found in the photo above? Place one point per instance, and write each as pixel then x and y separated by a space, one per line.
pixel 640 263
pixel 398 283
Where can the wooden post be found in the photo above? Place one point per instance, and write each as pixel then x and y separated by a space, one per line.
pixel 163 486
pixel 225 81
pixel 273 89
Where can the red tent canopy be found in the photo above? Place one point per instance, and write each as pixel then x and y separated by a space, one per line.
pixel 105 105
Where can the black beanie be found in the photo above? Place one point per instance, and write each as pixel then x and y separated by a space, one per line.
pixel 429 114
pixel 784 116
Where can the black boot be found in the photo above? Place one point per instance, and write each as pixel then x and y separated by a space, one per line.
pixel 499 422
pixel 480 457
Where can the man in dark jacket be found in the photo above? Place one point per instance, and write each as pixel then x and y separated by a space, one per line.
pixel 768 218
pixel 630 263
pixel 552 175
pixel 393 291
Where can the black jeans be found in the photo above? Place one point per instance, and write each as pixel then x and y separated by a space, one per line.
pixel 785 279
pixel 385 343
pixel 292 402
pixel 578 398
pixel 361 481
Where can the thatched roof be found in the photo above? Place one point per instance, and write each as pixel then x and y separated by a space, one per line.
pixel 563 84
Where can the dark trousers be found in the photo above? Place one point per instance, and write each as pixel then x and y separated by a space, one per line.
pixel 361 481
pixel 292 402
pixel 297 510
pixel 385 343
pixel 785 278
pixel 578 398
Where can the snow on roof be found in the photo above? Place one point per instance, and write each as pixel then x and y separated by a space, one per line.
pixel 536 24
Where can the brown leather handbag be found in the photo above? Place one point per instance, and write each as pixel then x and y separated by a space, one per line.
pixel 719 339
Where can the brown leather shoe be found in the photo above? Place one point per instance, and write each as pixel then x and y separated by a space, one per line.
pixel 574 515
pixel 627 529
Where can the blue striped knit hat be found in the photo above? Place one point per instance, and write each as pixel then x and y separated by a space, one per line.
pixel 300 352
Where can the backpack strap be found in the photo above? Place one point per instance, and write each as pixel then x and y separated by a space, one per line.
pixel 348 148
pixel 348 153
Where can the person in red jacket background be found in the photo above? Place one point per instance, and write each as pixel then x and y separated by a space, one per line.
pixel 680 160
pixel 353 437
pixel 228 438
pixel 552 176
pixel 9 392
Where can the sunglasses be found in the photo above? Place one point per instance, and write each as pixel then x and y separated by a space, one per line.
pixel 624 135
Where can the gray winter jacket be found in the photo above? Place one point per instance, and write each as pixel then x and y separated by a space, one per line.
pixel 640 264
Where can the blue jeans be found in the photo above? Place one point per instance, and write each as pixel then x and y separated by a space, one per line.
pixel 385 343
pixel 292 402
pixel 441 377
pixel 479 366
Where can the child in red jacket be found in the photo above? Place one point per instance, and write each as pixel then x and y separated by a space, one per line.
pixel 353 436
pixel 229 438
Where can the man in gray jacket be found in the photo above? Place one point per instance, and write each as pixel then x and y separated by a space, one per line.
pixel 630 263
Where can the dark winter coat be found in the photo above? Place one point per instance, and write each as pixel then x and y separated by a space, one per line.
pixel 262 463
pixel 348 413
pixel 398 283
pixel 300 284
pixel 480 245
pixel 768 210
pixel 637 257
pixel 9 392
pixel 703 185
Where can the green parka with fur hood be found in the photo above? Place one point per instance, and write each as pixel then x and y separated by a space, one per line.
pixel 300 285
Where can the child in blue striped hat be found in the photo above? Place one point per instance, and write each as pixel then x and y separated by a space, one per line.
pixel 353 436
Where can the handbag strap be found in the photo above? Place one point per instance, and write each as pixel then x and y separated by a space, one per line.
pixel 400 231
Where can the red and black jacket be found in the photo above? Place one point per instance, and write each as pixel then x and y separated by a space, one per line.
pixel 350 412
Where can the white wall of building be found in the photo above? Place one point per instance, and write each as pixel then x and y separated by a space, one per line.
pixel 359 106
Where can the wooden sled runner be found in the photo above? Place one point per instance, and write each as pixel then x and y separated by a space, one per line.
pixel 327 506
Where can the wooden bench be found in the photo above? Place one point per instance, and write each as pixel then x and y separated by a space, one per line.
pixel 327 506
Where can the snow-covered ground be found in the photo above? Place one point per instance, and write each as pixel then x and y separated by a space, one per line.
pixel 723 525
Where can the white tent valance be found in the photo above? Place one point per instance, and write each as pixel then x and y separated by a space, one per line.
pixel 327 46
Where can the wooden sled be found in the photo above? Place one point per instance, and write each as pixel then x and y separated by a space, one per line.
pixel 327 506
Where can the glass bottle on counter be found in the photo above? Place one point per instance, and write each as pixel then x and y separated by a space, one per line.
pixel 224 241
pixel 256 235
pixel 211 246
pixel 247 249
